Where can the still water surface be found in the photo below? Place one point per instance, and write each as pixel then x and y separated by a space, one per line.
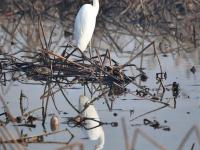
pixel 180 119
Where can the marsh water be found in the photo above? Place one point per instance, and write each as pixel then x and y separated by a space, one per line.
pixel 179 119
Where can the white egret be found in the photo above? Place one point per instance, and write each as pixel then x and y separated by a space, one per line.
pixel 85 23
pixel 90 112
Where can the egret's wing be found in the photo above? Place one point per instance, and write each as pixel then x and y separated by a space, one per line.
pixel 84 26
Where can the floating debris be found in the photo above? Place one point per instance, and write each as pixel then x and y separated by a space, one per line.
pixel 115 114
pixel 193 69
pixel 175 90
pixel 160 76
pixel 156 125
pixel 22 98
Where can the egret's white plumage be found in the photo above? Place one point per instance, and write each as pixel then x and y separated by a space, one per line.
pixel 90 112
pixel 85 23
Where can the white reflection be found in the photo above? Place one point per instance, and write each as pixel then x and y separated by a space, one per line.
pixel 90 112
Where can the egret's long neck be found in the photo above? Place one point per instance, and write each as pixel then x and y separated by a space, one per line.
pixel 101 141
pixel 96 5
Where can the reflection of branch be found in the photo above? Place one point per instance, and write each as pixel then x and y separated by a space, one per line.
pixel 134 57
pixel 39 138
pixel 194 129
pixel 4 129
pixel 67 99
pixel 71 146
pixel 147 137
pixel 127 145
pixel 149 112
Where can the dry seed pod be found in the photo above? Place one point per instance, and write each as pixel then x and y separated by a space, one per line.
pixel 54 123
pixel 43 70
